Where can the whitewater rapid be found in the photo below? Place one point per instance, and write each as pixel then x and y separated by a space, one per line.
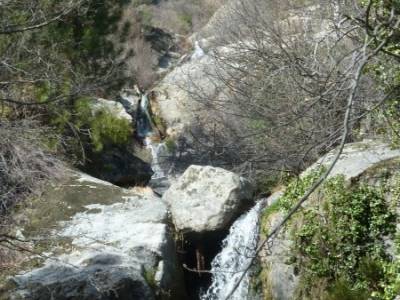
pixel 238 249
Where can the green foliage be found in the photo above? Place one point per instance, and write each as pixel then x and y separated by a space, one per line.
pixel 392 116
pixel 66 60
pixel 170 144
pixel 298 187
pixel 187 21
pixel 105 128
pixel 295 189
pixel 150 277
pixel 341 289
pixel 146 16
pixel 341 240
pixel 95 128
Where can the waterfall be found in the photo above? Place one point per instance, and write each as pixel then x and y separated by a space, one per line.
pixel 144 124
pixel 145 131
pixel 158 151
pixel 238 248
pixel 198 51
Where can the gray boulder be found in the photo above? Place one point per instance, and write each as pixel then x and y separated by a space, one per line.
pixel 207 199
pixel 97 241
pixel 90 283
pixel 113 107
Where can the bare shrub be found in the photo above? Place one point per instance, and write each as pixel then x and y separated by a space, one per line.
pixel 182 16
pixel 143 63
pixel 282 78
pixel 25 164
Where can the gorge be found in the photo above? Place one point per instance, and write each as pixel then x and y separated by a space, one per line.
pixel 200 150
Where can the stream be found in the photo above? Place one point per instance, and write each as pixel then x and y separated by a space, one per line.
pixel 238 247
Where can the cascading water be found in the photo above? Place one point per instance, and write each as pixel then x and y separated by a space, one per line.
pixel 144 124
pixel 145 131
pixel 157 151
pixel 238 248
pixel 198 51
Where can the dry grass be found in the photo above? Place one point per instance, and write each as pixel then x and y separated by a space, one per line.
pixel 25 163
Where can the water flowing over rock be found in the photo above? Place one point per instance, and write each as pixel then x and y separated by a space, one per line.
pixel 198 51
pixel 205 199
pixel 158 152
pixel 104 242
pixel 146 131
pixel 144 123
pixel 238 249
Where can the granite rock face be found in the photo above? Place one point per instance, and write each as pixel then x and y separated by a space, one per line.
pixel 113 107
pixel 99 242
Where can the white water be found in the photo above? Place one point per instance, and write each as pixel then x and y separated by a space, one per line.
pixel 238 248
pixel 198 51
pixel 158 151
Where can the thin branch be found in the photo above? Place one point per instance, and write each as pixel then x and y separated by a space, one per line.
pixel 302 200
pixel 58 16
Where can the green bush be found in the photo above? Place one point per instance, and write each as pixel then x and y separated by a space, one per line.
pixel 341 239
pixel 338 238
pixel 104 128
pixel 170 143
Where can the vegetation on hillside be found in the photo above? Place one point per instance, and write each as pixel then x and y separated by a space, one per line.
pixel 56 57
pixel 340 238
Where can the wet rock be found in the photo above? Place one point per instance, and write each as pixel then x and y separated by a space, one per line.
pixel 207 199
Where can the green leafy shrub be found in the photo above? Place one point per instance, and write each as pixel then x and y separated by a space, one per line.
pixel 392 116
pixel 341 239
pixel 298 187
pixel 170 144
pixel 150 277
pixel 104 128
pixel 293 192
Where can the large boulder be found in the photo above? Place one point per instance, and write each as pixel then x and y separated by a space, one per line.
pixel 113 107
pixel 206 199
pixel 92 240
